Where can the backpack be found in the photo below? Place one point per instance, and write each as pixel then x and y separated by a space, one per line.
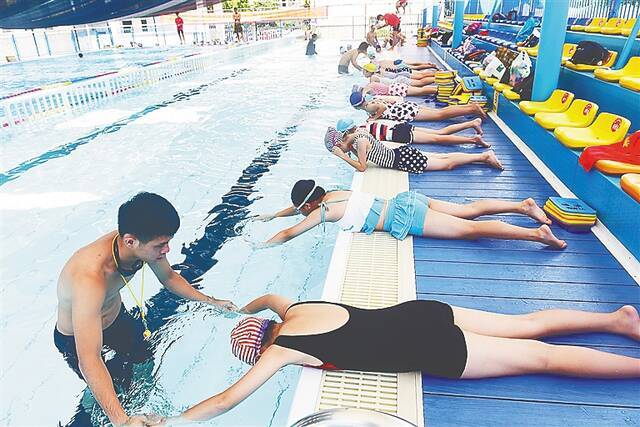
pixel 589 53
pixel 524 88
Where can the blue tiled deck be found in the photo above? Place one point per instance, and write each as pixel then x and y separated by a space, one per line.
pixel 519 277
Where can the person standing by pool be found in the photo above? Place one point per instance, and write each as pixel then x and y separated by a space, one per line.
pixel 430 336
pixel 372 39
pixel 90 310
pixel 237 26
pixel 350 57
pixel 180 27
pixel 311 46
pixel 392 20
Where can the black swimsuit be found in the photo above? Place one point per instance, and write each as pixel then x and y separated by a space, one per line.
pixel 412 336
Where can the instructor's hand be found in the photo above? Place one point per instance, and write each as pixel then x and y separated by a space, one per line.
pixel 222 304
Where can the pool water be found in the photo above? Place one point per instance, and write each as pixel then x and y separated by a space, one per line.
pixel 223 146
pixel 19 76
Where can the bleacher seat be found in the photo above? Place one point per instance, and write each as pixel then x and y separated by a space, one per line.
pixel 613 26
pixel 596 25
pixel 567 52
pixel 579 114
pixel 631 69
pixel 632 83
pixel 596 22
pixel 627 27
pixel 511 95
pixel 558 102
pixel 630 183
pixel 607 129
pixel 612 167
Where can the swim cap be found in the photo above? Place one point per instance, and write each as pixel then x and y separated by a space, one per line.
pixel 332 138
pixel 356 99
pixel 368 98
pixel 246 339
pixel 370 67
pixel 344 125
pixel 371 52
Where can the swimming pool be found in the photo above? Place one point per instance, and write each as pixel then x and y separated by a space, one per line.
pixel 20 76
pixel 222 146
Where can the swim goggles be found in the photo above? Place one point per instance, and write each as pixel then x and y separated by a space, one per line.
pixel 306 199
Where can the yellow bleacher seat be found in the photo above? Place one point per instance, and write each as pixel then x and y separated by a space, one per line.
pixel 583 67
pixel 500 87
pixel 612 167
pixel 491 80
pixel 596 25
pixel 580 114
pixel 631 69
pixel 613 26
pixel 597 22
pixel 568 50
pixel 511 95
pixel 626 28
pixel 607 129
pixel 483 75
pixel 531 51
pixel 478 70
pixel 558 102
pixel 632 83
pixel 630 183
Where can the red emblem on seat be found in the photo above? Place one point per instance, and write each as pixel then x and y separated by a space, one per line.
pixel 616 124
pixel 586 109
pixel 565 97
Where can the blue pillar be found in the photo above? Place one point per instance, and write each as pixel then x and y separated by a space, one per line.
pixel 46 41
pixel 111 35
pixel 494 9
pixel 35 42
pixel 458 23
pixel 614 8
pixel 424 17
pixel 554 28
pixel 628 46
pixel 436 15
pixel 15 46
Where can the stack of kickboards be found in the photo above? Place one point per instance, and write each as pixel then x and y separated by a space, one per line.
pixel 446 82
pixel 571 214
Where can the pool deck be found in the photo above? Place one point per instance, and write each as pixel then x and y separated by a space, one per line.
pixel 519 277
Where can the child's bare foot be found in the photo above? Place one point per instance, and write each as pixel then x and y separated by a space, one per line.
pixel 492 160
pixel 628 322
pixel 547 237
pixel 477 139
pixel 476 124
pixel 531 209
pixel 479 111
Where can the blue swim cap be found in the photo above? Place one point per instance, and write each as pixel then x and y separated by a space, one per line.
pixel 356 99
pixel 368 98
pixel 344 125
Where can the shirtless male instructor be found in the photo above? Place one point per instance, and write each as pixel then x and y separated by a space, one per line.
pixel 90 309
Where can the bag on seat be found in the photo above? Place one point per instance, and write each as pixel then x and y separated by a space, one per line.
pixel 589 53
pixel 525 87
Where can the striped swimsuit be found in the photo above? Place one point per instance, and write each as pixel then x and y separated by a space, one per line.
pixel 405 158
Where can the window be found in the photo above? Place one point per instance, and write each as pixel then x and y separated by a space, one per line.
pixel 145 28
pixel 127 27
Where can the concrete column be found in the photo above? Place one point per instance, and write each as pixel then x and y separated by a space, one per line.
pixel 552 35
pixel 458 23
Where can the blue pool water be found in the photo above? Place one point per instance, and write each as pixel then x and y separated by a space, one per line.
pixel 19 76
pixel 222 145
